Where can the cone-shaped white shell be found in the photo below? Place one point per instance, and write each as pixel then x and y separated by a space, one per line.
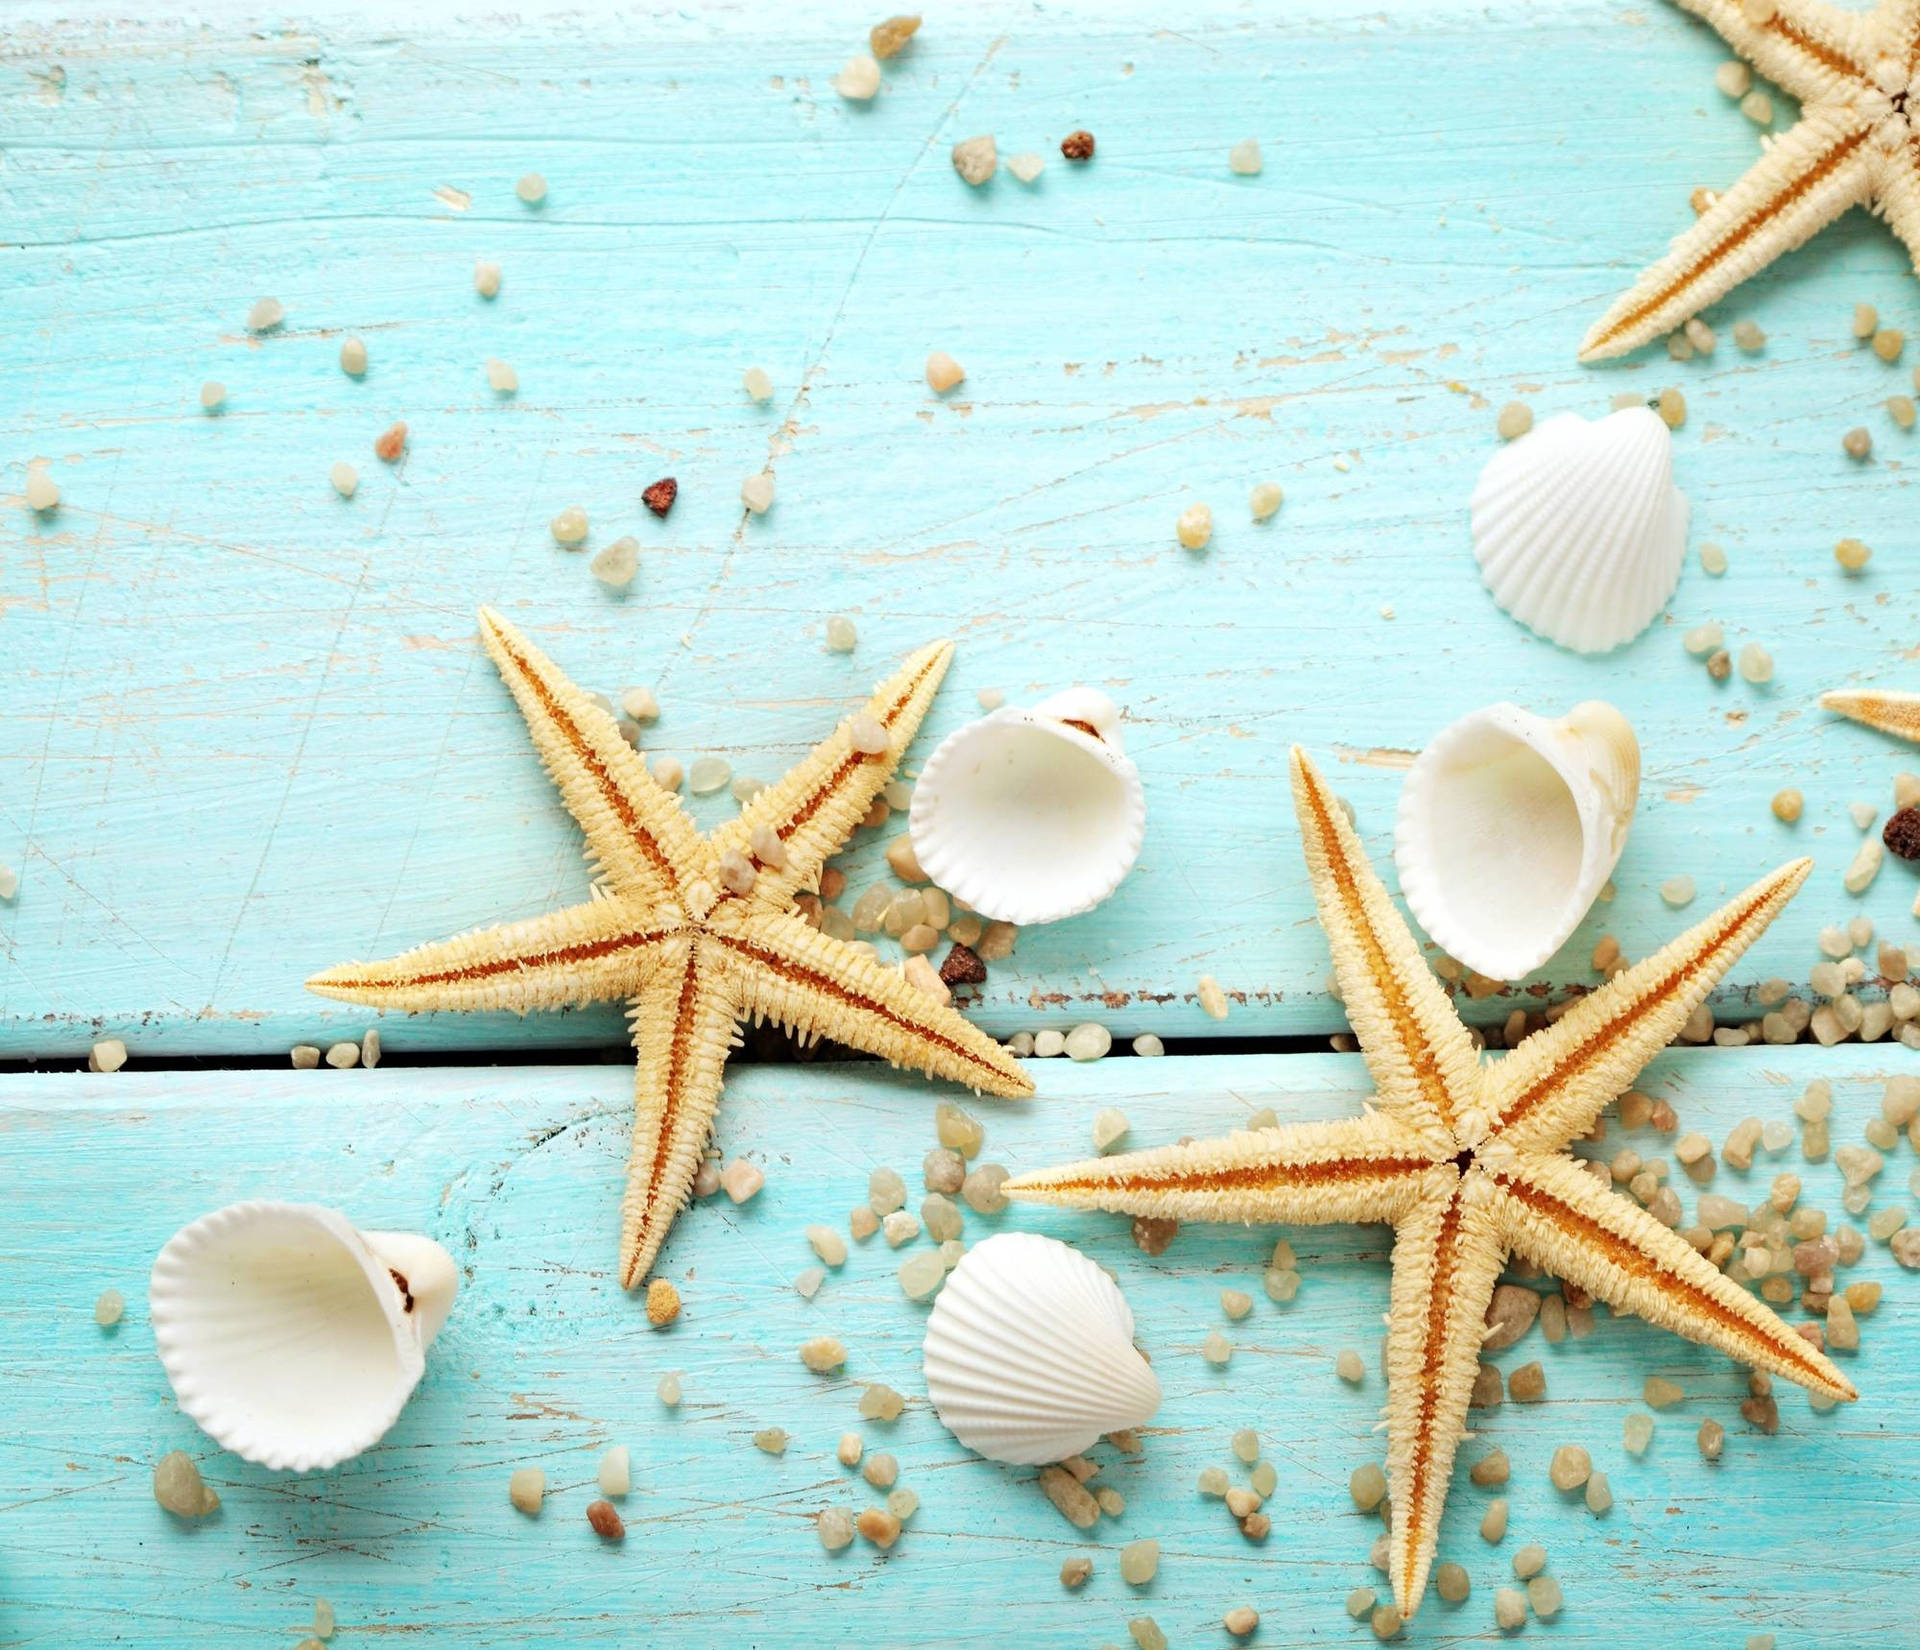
pixel 1579 529
pixel 1029 1352
pixel 1031 815
pixel 1509 826
pixel 291 1337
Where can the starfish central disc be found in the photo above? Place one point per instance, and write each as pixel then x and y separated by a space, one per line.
pixel 695 934
pixel 1468 1163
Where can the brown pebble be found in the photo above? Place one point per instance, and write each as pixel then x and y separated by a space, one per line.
pixel 1151 1236
pixel 1077 146
pixel 1902 834
pixel 1256 1526
pixel 392 443
pixel 1065 1491
pixel 663 1303
pixel 1762 1411
pixel 963 967
pixel 605 1521
pixel 1074 1573
pixel 879 1526
pixel 660 496
pixel 1527 1384
pixel 1510 1315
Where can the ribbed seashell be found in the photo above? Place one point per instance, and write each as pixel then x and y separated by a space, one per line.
pixel 1509 826
pixel 1029 816
pixel 292 1337
pixel 1579 529
pixel 1030 1355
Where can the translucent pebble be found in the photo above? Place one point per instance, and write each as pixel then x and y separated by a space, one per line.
pixel 981 1189
pixel 1139 1561
pixel 1243 159
pixel 42 492
pixel 1246 1444
pixel 835 1528
pixel 266 314
pixel 1367 1484
pixel 615 1474
pixel 841 636
pixel 1515 420
pixel 1570 1467
pixel 532 189
pixel 1349 1367
pixel 772 1440
pixel 1509 1608
pixel 668 1391
pixel 1452 1583
pixel 1543 1593
pixel 881 1470
pixel 1265 1479
pixel 1026 166
pixel 957 1129
pixel 1236 1303
pixel 178 1486
pixel 807 1284
pixel 828 1244
pixel 617 564
pixel 1599 1494
pixel 1213 1481
pixel 1756 663
pixel 1713 559
pixel 1216 1348
pixel 903 1503
pixel 1146 1634
pixel 1088 1042
pixel 741 1179
pixel 1049 1044
pixel 900 1227
pixel 920 1273
pixel 880 1403
pixel 213 395
pixel 1109 1126
pixel 1735 80
pixel 486 279
pixel 708 774
pixel 886 1191
pixel 1677 891
pixel 1195 527
pixel 859 80
pixel 109 1308
pixel 943 372
pixel 1265 500
pixel 570 527
pixel 501 377
pixel 757 384
pixel 1636 1432
pixel 1493 1525
pixel 756 493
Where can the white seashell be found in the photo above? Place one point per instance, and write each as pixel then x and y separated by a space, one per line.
pixel 1509 826
pixel 1579 529
pixel 1029 1352
pixel 1029 816
pixel 291 1337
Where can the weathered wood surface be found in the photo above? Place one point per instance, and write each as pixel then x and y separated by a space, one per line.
pixel 246 732
pixel 1805 1534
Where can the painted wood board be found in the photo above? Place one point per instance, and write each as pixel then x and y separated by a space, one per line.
pixel 546 1362
pixel 247 732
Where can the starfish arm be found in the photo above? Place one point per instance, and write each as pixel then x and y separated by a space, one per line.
pixel 1817 52
pixel 779 968
pixel 1895 713
pixel 1897 199
pixel 636 832
pixel 1551 1088
pixel 1562 1219
pixel 815 808
pixel 1811 175
pixel 683 1030
pixel 591 953
pixel 1312 1174
pixel 1448 1251
pixel 1418 1051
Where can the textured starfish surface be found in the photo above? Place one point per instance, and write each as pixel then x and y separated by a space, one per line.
pixel 1857 143
pixel 695 933
pixel 1895 713
pixel 1468 1163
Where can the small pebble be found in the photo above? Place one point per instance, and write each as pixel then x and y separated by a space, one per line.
pixel 1026 166
pixel 1712 1439
pixel 1367 1484
pixel 1851 554
pixel 1543 1593
pixel 889 38
pixel 943 372
pixel 392 443
pixel 1734 79
pixel 668 1391
pixel 501 378
pixel 1599 1494
pixel 1088 1042
pixel 1149 1047
pixel 1075 1571
pixel 1756 663
pixel 109 1055
pixel 1195 527
pixel 109 1308
pixel 1901 409
pixel 1213 1001
pixel 823 1354
pixel 1216 1349
pixel 834 1526
pixel 756 493
pixel 486 279
pixel 772 1440
pixel 43 492
pixel 879 1526
pixel 343 1056
pixel 976 159
pixel 266 314
pixel 1515 420
pixel 570 527
pixel 1787 806
pixel 881 1470
pixel 1747 334
pixel 615 1475
pixel 921 1274
pixel 1857 443
pixel 213 395
pixel 741 1179
pixel 1758 108
pixel 617 565
pixel 1265 500
pixel 859 80
pixel 1677 891
pixel 1672 408
pixel 526 1489
pixel 1146 1634
pixel 1077 146
pixel 1241 1620
pixel 1349 1367
pixel 1243 159
pixel 1510 1608
pixel 1493 1526
pixel 841 636
pixel 606 1522
pixel 532 189
pixel 1888 342
pixel 663 1303
pixel 1713 559
pixel 178 1486
pixel 1139 1562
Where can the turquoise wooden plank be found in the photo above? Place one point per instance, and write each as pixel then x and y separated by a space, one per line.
pixel 544 1361
pixel 247 733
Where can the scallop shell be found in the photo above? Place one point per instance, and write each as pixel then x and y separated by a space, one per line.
pixel 1029 816
pixel 290 1336
pixel 1509 826
pixel 1579 529
pixel 1030 1355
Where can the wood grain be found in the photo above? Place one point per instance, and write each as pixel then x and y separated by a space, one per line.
pixel 247 733
pixel 546 1362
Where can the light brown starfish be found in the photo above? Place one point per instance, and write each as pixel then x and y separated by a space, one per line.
pixel 1857 142
pixel 1895 713
pixel 1467 1163
pixel 695 933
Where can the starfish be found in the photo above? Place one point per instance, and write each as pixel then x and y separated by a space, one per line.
pixel 1895 713
pixel 1468 1163
pixel 1857 142
pixel 695 933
